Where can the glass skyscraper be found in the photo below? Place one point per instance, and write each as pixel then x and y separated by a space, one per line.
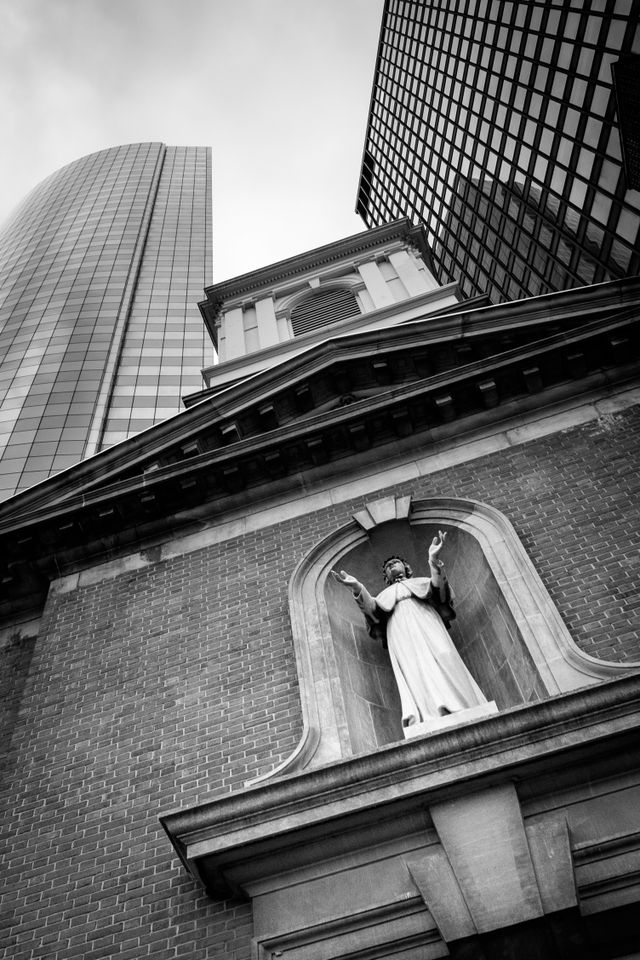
pixel 511 130
pixel 101 270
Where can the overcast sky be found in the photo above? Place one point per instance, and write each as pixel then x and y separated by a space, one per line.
pixel 278 88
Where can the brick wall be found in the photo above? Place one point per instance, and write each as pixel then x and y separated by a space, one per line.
pixel 163 687
pixel 16 650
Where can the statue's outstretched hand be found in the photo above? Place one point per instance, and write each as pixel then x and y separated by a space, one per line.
pixel 348 581
pixel 436 546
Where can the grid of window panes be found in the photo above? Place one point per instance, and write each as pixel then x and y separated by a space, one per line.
pixel 69 260
pixel 166 344
pixel 495 124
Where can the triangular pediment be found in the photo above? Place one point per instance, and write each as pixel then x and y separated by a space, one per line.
pixel 361 395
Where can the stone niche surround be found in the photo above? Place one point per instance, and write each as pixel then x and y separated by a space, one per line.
pixel 508 630
pixel 470 842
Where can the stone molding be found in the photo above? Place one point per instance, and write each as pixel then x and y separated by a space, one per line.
pixel 242 521
pixel 597 868
pixel 444 765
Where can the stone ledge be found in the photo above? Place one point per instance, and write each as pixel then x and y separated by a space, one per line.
pixel 226 841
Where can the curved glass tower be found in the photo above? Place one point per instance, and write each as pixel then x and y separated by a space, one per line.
pixel 101 269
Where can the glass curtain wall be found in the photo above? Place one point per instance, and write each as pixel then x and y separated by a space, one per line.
pixel 101 268
pixel 495 123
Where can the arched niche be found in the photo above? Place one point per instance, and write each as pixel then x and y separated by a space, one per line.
pixel 484 632
pixel 507 630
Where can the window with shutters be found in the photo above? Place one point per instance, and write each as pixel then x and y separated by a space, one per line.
pixel 323 307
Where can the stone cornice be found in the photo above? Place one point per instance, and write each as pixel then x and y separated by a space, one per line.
pixel 349 402
pixel 100 491
pixel 226 835
pixel 566 307
pixel 147 484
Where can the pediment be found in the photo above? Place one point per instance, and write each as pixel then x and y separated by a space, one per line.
pixel 362 395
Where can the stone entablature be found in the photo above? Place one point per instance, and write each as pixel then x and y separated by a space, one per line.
pixel 360 403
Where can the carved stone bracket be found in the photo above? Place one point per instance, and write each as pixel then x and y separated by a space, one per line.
pixel 381 511
pixel 489 870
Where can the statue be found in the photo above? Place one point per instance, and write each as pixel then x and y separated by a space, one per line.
pixel 412 615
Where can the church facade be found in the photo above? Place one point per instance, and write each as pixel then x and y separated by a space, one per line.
pixel 207 755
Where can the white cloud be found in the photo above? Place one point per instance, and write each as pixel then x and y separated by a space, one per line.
pixel 278 88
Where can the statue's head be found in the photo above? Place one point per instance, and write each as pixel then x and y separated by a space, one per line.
pixel 396 568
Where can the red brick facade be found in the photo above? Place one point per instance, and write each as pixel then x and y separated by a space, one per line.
pixel 176 683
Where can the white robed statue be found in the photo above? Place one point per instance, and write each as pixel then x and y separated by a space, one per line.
pixel 412 615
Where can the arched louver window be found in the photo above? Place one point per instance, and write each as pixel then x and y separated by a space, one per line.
pixel 323 308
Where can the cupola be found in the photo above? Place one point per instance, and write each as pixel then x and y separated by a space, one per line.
pixel 374 279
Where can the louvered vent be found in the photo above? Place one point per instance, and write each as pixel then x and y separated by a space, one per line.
pixel 323 308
